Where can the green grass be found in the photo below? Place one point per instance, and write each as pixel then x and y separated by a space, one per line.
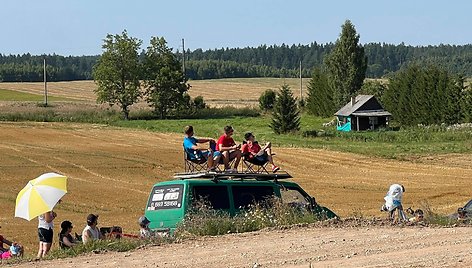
pixel 12 95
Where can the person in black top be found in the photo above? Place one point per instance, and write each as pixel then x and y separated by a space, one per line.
pixel 65 238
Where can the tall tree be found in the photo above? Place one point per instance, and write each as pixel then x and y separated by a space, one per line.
pixel 117 72
pixel 347 65
pixel 320 95
pixel 165 82
pixel 285 116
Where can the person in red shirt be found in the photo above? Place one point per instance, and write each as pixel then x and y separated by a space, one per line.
pixel 229 149
pixel 256 154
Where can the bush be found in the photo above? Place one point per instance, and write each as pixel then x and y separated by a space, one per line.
pixel 267 100
pixel 199 103
pixel 272 213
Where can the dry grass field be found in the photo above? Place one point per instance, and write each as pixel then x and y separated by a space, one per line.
pixel 236 92
pixel 111 170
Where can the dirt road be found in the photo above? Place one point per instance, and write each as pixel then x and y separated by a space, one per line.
pixel 300 247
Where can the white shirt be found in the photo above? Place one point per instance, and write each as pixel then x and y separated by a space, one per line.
pixel 94 232
pixel 42 223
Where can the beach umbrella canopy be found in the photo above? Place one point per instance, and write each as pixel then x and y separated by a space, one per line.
pixel 40 195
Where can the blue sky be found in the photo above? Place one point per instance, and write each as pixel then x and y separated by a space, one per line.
pixel 77 27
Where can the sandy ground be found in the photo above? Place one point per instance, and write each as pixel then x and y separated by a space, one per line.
pixel 300 247
pixel 112 170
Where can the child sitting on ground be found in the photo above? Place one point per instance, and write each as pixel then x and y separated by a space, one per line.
pixel 15 250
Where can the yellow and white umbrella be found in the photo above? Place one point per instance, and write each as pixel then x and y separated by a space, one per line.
pixel 40 195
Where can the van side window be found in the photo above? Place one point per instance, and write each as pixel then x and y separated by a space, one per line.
pixel 293 196
pixel 215 196
pixel 244 196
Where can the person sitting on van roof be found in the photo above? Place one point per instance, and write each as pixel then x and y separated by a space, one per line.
pixel 229 149
pixel 194 153
pixel 257 155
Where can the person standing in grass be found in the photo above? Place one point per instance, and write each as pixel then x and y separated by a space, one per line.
pixel 45 232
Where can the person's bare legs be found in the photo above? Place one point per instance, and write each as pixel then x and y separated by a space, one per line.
pixel 40 250
pixel 237 154
pixel 47 247
pixel 225 155
pixel 268 151
pixel 216 160
pixel 210 160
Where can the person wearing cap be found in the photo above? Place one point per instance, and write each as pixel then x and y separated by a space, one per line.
pixel 65 238
pixel 91 231
pixel 229 149
pixel 144 231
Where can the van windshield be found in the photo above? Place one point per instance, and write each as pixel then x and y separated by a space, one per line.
pixel 165 197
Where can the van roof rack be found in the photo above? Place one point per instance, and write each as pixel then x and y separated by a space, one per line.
pixel 233 176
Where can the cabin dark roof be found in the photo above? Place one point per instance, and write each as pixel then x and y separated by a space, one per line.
pixel 365 105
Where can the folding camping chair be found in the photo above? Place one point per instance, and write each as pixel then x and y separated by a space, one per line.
pixel 194 165
pixel 250 165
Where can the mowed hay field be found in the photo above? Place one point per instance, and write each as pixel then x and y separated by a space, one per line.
pixel 218 92
pixel 111 171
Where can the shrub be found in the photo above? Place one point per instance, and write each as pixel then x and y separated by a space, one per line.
pixel 272 213
pixel 199 103
pixel 267 100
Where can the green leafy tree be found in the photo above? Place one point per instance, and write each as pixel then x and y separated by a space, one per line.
pixel 285 116
pixel 320 95
pixel 347 65
pixel 375 88
pixel 117 72
pixel 267 100
pixel 165 83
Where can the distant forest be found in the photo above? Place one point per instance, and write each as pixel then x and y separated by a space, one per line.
pixel 262 61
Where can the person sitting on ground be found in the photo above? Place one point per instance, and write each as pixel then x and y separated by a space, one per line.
pixel 256 154
pixel 65 238
pixel 145 232
pixel 194 153
pixel 393 202
pixel 229 149
pixel 418 216
pixel 91 231
pixel 9 249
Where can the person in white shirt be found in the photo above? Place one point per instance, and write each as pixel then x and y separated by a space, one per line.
pixel 393 202
pixel 91 231
pixel 45 232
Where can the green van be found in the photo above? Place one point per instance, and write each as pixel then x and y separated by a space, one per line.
pixel 169 201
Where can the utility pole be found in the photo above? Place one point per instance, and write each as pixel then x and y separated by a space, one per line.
pixel 45 85
pixel 183 57
pixel 301 84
